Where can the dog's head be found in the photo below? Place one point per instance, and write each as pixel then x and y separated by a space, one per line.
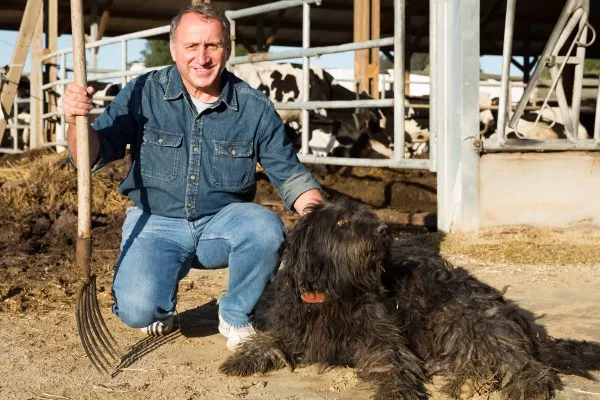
pixel 337 249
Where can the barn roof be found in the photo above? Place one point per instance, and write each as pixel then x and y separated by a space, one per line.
pixel 331 23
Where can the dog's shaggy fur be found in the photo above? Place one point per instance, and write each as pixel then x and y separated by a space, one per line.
pixel 398 323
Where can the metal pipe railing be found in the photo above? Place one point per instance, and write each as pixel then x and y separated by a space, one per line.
pixel 506 61
pixel 399 32
pixel 312 52
pixel 563 19
pixel 597 120
pixel 305 77
pixel 276 6
pixel 397 42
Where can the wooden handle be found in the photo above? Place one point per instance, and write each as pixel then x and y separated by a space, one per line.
pixel 84 215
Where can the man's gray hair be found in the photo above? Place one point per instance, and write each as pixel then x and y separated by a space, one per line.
pixel 204 11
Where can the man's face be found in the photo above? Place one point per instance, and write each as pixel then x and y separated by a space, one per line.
pixel 200 55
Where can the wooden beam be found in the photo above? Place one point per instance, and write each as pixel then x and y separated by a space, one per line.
pixel 367 26
pixel 32 12
pixel 104 18
pixel 374 61
pixel 103 22
pixel 36 102
pixel 362 20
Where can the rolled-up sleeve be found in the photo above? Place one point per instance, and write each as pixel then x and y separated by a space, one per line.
pixel 277 157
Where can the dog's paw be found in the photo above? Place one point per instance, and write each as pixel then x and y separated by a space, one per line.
pixel 533 383
pixel 257 356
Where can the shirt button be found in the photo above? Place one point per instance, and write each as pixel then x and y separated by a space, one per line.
pixel 193 177
pixel 189 203
pixel 160 140
pixel 195 149
pixel 233 152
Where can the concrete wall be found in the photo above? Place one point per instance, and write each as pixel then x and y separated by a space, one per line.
pixel 541 189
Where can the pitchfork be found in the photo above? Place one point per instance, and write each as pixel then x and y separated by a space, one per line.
pixel 97 341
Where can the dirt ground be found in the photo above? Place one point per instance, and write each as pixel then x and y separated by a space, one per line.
pixel 555 274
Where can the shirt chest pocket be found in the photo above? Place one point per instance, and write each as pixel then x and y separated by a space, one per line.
pixel 233 164
pixel 159 155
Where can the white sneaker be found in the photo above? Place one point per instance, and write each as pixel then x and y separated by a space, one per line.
pixel 159 328
pixel 236 335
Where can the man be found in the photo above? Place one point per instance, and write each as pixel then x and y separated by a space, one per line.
pixel 195 133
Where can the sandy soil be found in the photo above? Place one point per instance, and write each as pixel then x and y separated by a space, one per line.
pixel 41 356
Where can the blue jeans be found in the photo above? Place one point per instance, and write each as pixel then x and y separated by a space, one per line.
pixel 157 252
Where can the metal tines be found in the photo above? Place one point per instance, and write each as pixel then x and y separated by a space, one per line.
pixel 99 345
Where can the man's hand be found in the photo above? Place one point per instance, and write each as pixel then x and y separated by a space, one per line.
pixel 306 199
pixel 77 102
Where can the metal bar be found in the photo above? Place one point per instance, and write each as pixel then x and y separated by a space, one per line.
pixel 137 35
pixel 512 145
pixel 448 141
pixel 366 162
pixel 597 121
pixel 314 105
pixel 61 131
pixel 305 77
pixel 569 7
pixel 433 88
pixel 505 75
pixel 312 52
pixel 574 19
pixel 399 37
pixel 98 77
pixel 123 63
pixel 94 29
pixel 15 133
pixel 562 102
pixel 232 36
pixel 557 81
pixel 17 126
pixel 468 210
pixel 278 5
pixel 578 80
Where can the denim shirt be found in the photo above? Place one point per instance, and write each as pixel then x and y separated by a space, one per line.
pixel 189 165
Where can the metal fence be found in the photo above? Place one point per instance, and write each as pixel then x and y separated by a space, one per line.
pixel 574 18
pixel 397 161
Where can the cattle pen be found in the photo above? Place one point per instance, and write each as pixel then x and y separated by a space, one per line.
pixel 474 172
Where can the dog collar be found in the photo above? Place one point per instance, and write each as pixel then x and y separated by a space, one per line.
pixel 312 297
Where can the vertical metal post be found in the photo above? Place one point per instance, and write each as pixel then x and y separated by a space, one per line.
pixel 305 76
pixel 456 76
pixel 597 121
pixel 61 131
pixel 399 18
pixel 232 35
pixel 94 31
pixel 578 78
pixel 14 132
pixel 509 26
pixel 123 63
pixel 468 216
pixel 433 86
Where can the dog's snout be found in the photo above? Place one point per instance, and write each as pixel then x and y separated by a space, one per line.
pixel 382 229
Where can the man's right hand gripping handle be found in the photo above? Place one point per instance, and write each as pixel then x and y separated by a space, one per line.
pixel 78 101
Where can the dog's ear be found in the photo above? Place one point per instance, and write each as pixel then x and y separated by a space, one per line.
pixel 302 258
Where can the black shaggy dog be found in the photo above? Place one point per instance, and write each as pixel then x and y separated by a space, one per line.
pixel 341 300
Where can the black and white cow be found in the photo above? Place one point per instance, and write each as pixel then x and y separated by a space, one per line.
pixel 362 132
pixel 550 125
